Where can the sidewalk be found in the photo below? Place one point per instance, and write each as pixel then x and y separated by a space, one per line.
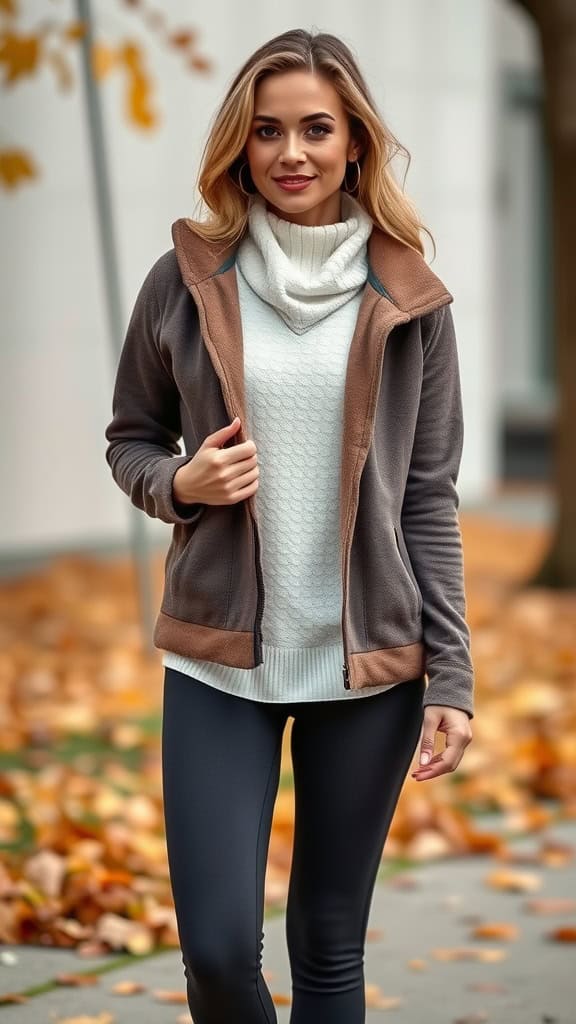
pixel 532 984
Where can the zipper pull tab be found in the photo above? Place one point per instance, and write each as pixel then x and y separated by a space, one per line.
pixel 346 675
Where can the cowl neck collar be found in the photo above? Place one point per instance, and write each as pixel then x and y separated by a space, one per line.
pixel 305 272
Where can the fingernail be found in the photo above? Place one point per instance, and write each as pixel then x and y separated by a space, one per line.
pixel 424 757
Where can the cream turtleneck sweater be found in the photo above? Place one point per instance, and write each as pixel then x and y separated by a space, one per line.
pixel 300 289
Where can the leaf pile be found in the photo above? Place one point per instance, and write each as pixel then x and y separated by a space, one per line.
pixel 81 825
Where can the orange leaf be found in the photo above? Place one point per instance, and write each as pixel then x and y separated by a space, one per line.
pixel 183 38
pixel 19 54
pixel 164 995
pixel 15 166
pixel 77 980
pixel 76 30
pixel 495 930
pixel 375 999
pixel 514 881
pixel 551 905
pixel 198 63
pixel 564 933
pixel 279 999
pixel 127 988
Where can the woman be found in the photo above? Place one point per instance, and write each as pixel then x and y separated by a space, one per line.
pixel 305 352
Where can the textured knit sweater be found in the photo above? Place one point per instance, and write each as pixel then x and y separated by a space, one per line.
pixel 300 289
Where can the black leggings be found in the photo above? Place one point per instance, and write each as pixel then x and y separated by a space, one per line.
pixel 221 768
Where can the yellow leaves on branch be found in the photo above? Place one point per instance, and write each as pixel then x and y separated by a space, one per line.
pixel 22 54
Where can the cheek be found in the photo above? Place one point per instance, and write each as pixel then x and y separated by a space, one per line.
pixel 332 154
pixel 258 155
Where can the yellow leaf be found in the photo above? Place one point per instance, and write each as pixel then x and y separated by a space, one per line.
pixel 139 88
pixel 103 60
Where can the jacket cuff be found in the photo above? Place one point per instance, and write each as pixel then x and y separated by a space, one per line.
pixel 167 507
pixel 452 687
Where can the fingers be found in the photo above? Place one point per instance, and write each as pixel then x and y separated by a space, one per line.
pixel 238 452
pixel 446 761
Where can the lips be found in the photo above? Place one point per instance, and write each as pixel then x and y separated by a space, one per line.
pixel 295 178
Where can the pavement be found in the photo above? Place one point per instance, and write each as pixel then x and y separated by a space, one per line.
pixel 423 909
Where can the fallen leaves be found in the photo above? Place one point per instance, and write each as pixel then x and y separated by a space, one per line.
pixel 81 819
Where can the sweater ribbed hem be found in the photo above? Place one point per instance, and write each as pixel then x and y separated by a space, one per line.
pixel 287 675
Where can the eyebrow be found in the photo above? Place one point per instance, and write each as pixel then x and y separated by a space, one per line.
pixel 309 117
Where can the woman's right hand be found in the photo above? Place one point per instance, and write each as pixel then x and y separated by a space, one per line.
pixel 217 475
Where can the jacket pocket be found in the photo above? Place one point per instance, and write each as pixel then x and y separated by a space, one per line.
pixel 405 559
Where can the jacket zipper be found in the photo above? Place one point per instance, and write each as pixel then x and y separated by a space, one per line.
pixel 258 659
pixel 345 666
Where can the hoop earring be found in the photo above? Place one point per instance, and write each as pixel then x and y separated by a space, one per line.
pixel 346 186
pixel 245 164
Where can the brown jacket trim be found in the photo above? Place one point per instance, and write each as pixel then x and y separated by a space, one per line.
pixel 226 646
pixel 388 665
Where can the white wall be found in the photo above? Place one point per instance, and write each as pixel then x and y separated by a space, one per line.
pixel 431 66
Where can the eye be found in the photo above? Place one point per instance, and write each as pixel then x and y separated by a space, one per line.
pixel 324 130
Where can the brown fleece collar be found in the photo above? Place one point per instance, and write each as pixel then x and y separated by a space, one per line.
pixel 396 271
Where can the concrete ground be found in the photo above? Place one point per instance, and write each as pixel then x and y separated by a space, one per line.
pixel 532 984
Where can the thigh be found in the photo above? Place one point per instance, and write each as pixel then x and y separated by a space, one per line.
pixel 220 772
pixel 350 759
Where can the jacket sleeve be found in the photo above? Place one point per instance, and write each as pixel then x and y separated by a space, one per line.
pixel 143 451
pixel 430 520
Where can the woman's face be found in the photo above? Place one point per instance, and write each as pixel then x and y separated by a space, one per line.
pixel 300 127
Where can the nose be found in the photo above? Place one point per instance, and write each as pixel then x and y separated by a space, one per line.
pixel 292 150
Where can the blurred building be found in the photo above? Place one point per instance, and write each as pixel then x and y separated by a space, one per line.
pixel 459 83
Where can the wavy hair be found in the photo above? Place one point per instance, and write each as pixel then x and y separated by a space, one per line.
pixel 223 155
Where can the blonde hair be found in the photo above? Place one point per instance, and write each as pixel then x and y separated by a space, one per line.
pixel 222 158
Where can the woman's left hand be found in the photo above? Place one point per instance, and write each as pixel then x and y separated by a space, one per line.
pixel 456 724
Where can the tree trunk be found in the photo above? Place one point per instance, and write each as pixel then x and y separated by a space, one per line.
pixel 556 23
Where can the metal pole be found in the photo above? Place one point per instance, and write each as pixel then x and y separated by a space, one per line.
pixel 138 535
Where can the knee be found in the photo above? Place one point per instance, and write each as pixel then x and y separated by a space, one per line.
pixel 326 952
pixel 217 967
